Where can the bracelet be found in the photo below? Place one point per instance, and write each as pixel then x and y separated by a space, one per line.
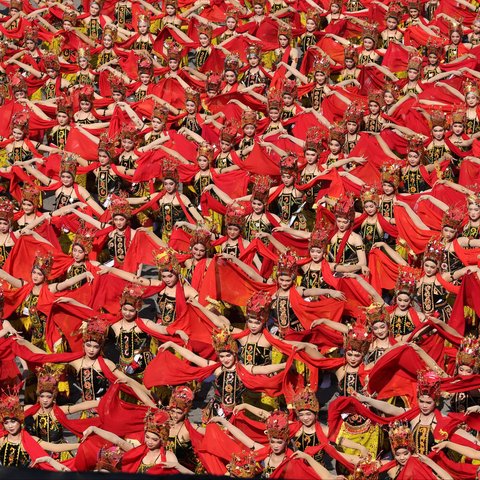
pixel 335 268
pixel 149 282
pixel 68 409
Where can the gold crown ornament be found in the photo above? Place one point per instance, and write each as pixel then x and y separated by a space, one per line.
pixel 43 262
pixel 235 216
pixel 119 206
pixel 428 383
pixel 158 422
pixel 95 330
pixel 376 312
pixel 68 163
pixel 468 353
pixel 84 238
pixel 243 465
pixel 277 426
pixel 306 399
pixel 206 150
pixel 10 406
pixel 223 341
pixel 345 208
pixel 407 280
pixel 401 436
pixel 258 306
pixel 182 398
pixel 109 459
pixel 166 261
pixel 249 117
pixel 30 193
pixel 287 264
pixel 47 379
pixel 357 339
pixel 369 193
pixel 6 209
pixel 435 251
pixel 132 295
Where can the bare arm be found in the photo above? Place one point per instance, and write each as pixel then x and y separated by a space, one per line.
pixel 186 354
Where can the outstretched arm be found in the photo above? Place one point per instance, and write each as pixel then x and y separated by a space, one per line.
pixel 248 270
pixel 380 405
pixel 186 354
pixel 237 433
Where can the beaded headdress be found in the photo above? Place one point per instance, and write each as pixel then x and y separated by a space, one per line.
pixel 390 173
pixel 320 235
pixel 235 216
pixel 313 14
pixel 116 84
pixel 44 262
pixel 110 30
pixel 47 380
pixel 392 88
pixel 468 353
pixel 172 3
pixel 367 469
pixel 70 16
pixel 285 29
pixel 351 52
pixel 86 94
pixel 289 164
pixel 145 65
pixel 376 312
pixel 51 62
pixel 344 208
pixel 395 10
pixel 132 295
pixel 109 459
pixel 119 206
pixel 376 96
pixel 107 145
pixel 428 383
pixel 170 170
pixel 157 422
pixel 96 330
pixel 213 83
pixel 18 83
pixel 435 251
pixel 289 87
pixel 232 62
pixel 174 51
pixel 434 47
pixel 84 53
pixel 232 12
pixel 369 193
pixel 354 113
pixel 228 133
pixel 337 132
pixel 223 341
pixel 454 218
pixel 161 112
pixel 68 163
pixel 129 132
pixel 6 209
pixel 274 99
pixel 192 96
pixel 314 139
pixel 438 119
pixel 166 261
pixel 206 150
pixel 415 63
pixel 455 27
pixel 21 120
pixel 254 50
pixel 182 398
pixel 10 406
pixel 16 4
pixel 470 86
pixel 202 236
pixel 400 435
pixel 306 400
pixel 459 116
pixel 287 264
pixel 407 280
pixel 357 339
pixel 31 194
pixel 416 144
pixel 31 33
pixel 322 64
pixel 205 29
pixel 261 188
pixel 249 117
pixel 84 237
pixel 370 31
pixel 258 306
pixel 277 425
pixel 64 105
pixel 243 465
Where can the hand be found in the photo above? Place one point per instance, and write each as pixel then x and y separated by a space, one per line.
pixel 227 256
pixel 182 335
pixel 350 274
pixel 168 464
pixel 63 300
pixel 279 229
pixel 363 451
pixel 440 446
pixel 121 381
pixel 337 295
pixel 473 409
pixel 239 408
pixel 102 270
pixel 26 232
pixel 89 277
pixel 86 433
pixel 166 346
pixel 300 454
pixel 317 322
pixel 219 420
pixel 262 235
pixel 365 270
pixel 208 188
pixel 378 244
